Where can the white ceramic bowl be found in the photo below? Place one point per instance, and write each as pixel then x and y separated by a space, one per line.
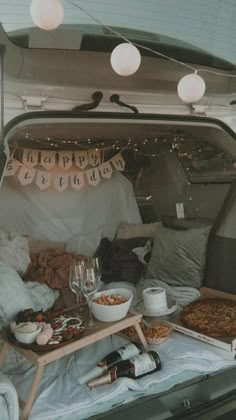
pixel 110 313
pixel 27 337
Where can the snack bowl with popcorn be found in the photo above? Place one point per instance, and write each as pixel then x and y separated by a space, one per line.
pixel 26 332
pixel 111 305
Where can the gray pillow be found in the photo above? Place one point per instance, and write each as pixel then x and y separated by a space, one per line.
pixel 178 257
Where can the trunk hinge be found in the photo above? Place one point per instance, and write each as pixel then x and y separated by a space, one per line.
pixel 199 109
pixel 37 102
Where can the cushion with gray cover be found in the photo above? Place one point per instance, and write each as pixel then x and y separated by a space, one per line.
pixel 178 257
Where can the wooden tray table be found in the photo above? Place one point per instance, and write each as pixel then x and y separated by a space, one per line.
pixel 101 330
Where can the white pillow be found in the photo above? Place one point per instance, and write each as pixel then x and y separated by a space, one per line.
pixel 14 251
pixel 42 296
pixel 14 295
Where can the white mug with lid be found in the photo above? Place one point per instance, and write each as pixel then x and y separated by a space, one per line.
pixel 154 299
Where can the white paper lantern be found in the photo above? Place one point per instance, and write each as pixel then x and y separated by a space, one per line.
pixel 47 14
pixel 125 59
pixel 191 88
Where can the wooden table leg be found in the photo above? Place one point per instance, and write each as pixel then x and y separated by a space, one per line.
pixel 31 395
pixel 141 336
pixel 3 352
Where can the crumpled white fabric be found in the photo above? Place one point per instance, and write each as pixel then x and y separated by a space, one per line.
pixel 16 296
pixel 14 251
pixel 142 251
pixel 9 407
pixel 43 296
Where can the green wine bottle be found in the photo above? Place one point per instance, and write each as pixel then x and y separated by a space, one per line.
pixel 123 353
pixel 135 368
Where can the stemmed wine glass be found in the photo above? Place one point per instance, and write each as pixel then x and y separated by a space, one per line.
pixel 95 263
pixel 90 283
pixel 75 281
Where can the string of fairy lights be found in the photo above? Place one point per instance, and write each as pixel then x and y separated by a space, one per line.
pixel 125 58
pixel 162 144
pixel 169 141
pixel 191 152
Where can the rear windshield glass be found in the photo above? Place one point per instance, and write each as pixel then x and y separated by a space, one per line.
pixel 197 28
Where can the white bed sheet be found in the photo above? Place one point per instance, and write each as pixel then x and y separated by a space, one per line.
pixel 9 409
pixel 60 396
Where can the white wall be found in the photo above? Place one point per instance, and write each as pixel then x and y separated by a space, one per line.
pixel 209 24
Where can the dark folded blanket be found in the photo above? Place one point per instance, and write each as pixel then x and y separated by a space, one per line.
pixel 119 262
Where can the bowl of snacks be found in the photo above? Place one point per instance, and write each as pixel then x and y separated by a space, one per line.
pixel 26 332
pixel 111 305
pixel 155 332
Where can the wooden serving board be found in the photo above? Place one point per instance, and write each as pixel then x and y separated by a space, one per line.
pixel 44 348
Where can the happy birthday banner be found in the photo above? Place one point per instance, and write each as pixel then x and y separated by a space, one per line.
pixel 49 159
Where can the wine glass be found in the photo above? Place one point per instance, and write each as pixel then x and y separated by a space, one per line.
pixel 75 280
pixel 89 287
pixel 95 263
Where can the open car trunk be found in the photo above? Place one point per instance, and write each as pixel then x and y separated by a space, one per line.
pixel 75 177
pixel 148 168
pixel 182 171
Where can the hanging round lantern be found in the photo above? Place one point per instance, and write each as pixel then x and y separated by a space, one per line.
pixel 47 14
pixel 191 88
pixel 125 59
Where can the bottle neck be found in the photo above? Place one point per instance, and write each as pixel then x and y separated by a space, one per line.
pixel 108 378
pixel 93 373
